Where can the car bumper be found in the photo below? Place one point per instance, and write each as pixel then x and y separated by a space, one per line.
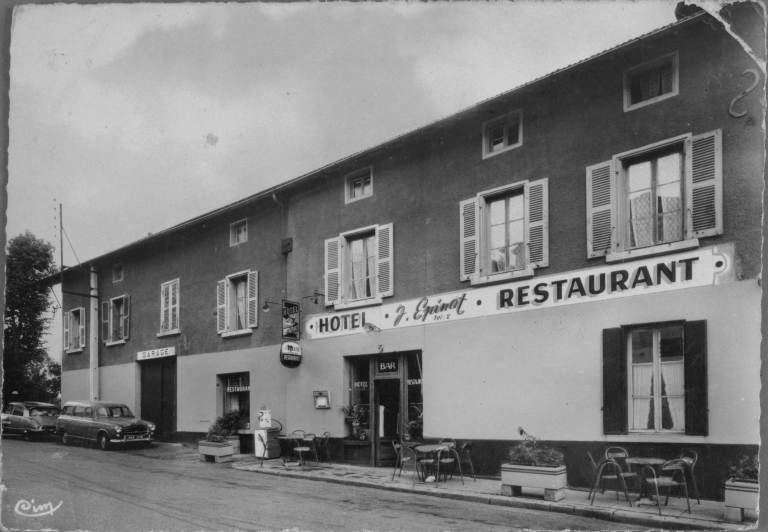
pixel 132 438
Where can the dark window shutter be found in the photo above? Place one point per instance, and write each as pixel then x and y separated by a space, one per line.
pixel 614 383
pixel 696 407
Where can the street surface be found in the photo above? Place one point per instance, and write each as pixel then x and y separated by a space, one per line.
pixel 89 489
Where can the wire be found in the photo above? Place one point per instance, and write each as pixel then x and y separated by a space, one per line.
pixel 71 246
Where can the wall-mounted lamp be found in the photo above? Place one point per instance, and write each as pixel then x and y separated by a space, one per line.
pixel 314 297
pixel 370 327
pixel 322 399
pixel 267 303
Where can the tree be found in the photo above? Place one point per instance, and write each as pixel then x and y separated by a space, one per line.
pixel 25 321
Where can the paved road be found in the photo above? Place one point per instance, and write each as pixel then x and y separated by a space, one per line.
pixel 150 490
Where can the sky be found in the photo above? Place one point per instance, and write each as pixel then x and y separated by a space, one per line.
pixel 137 117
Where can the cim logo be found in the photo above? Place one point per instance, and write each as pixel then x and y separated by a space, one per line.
pixel 24 507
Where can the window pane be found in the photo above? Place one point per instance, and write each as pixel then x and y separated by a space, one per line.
pixel 672 378
pixel 497 211
pixel 498 260
pixel 366 185
pixel 642 346
pixel 497 138
pixel 498 238
pixel 516 207
pixel 513 133
pixel 668 169
pixel 642 414
pixel 639 175
pixel 671 343
pixel 673 413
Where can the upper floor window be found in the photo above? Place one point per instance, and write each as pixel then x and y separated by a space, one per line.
pixel 655 378
pixel 502 134
pixel 169 307
pixel 655 199
pixel 238 232
pixel 358 266
pixel 358 185
pixel 117 272
pixel 504 232
pixel 74 330
pixel 237 303
pixel 651 82
pixel 115 319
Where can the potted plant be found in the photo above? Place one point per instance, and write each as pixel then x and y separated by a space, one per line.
pixel 222 440
pixel 742 488
pixel 534 466
pixel 356 417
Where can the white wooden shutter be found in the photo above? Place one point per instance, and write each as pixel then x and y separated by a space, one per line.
pixel 253 299
pixel 82 327
pixel 67 318
pixel 704 185
pixel 175 305
pixel 105 330
pixel 332 271
pixel 126 317
pixel 385 262
pixel 468 238
pixel 601 201
pixel 221 306
pixel 537 223
pixel 165 306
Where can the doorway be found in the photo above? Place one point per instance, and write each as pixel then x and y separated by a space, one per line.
pixel 387 415
pixel 158 394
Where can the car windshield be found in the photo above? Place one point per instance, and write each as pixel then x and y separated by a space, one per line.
pixel 113 411
pixel 37 411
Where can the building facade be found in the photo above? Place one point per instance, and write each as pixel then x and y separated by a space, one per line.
pixel 579 256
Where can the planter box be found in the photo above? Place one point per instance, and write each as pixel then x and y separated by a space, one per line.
pixel 235 440
pixel 552 480
pixel 740 498
pixel 216 452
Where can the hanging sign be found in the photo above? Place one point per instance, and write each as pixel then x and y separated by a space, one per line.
pixel 692 269
pixel 290 354
pixel 290 320
pixel 265 419
pixel 156 353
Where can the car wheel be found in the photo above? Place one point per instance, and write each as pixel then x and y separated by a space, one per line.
pixel 27 436
pixel 64 438
pixel 103 442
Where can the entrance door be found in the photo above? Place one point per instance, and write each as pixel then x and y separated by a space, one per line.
pixel 387 408
pixel 158 394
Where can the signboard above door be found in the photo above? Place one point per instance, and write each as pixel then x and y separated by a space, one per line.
pixel 156 353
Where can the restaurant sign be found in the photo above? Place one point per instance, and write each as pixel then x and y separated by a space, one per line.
pixel 702 267
pixel 236 389
pixel 290 354
pixel 156 353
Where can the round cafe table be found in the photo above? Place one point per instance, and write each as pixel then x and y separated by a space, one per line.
pixel 286 451
pixel 431 449
pixel 641 462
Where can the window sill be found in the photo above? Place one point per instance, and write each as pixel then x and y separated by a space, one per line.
pixel 74 351
pixel 358 303
pixel 234 334
pixel 652 251
pixel 667 437
pixel 174 332
pixel 489 154
pixel 638 105
pixel 506 276
pixel 117 342
pixel 348 200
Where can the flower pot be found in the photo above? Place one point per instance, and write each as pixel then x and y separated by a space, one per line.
pixel 552 480
pixel 215 452
pixel 740 498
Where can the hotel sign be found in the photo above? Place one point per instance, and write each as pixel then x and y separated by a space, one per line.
pixel 702 267
pixel 156 353
pixel 291 320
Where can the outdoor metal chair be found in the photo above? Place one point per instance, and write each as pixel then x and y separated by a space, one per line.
pixel 308 445
pixel 676 479
pixel 322 446
pixel 465 457
pixel 606 469
pixel 264 447
pixel 399 458
pixel 620 455
pixel 690 458
pixel 447 460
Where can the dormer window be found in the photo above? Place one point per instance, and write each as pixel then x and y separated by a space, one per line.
pixel 502 134
pixel 358 185
pixel 651 82
pixel 238 233
pixel 117 272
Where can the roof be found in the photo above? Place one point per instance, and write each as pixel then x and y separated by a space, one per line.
pixel 93 403
pixel 30 404
pixel 51 280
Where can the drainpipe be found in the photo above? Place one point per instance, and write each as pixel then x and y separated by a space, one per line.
pixel 93 337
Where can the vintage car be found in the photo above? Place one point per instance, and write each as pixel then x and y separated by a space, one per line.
pixel 103 422
pixel 30 419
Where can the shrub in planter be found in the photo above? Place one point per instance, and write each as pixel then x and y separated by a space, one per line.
pixel 534 466
pixel 222 441
pixel 742 488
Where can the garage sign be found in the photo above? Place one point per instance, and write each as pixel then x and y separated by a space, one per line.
pixel 156 353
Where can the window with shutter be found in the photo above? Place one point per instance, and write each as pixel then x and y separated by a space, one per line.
pixel 654 378
pixel 169 308
pixel 74 330
pixel 359 267
pixel 237 304
pixel 116 320
pixel 504 232
pixel 655 199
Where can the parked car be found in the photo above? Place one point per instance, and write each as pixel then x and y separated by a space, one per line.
pixel 30 419
pixel 102 422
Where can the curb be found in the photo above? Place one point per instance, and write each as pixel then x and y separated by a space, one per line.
pixel 604 514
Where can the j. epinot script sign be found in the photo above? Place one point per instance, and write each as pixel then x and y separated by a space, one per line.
pixel 703 267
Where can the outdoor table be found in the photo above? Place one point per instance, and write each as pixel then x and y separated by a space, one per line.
pixel 436 448
pixel 641 463
pixel 285 451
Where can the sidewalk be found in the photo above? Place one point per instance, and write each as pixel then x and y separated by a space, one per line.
pixel 709 515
